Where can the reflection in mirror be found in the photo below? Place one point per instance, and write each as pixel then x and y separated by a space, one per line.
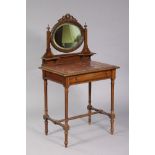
pixel 67 36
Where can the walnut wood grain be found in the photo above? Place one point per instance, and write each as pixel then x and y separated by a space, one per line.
pixel 45 106
pixel 89 102
pixel 66 116
pixel 75 68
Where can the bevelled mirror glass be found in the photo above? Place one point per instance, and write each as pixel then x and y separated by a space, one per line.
pixel 67 37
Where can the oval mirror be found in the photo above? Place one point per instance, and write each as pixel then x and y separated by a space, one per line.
pixel 67 37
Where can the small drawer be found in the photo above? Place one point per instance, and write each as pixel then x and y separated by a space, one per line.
pixel 90 77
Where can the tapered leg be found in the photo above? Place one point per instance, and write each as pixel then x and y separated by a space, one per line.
pixel 112 106
pixel 45 107
pixel 89 102
pixel 66 117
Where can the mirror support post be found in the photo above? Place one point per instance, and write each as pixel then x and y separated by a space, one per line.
pixel 85 48
pixel 85 35
pixel 48 37
pixel 48 53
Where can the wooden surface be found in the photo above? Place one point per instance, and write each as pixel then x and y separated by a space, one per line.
pixel 82 67
pixel 75 68
pixel 68 73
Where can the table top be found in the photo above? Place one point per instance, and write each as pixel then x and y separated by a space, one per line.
pixel 77 68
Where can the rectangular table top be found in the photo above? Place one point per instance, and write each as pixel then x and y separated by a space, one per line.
pixel 77 68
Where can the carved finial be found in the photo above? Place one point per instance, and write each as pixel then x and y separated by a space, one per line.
pixel 48 27
pixel 85 26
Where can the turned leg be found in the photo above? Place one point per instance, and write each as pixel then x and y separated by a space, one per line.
pixel 89 102
pixel 66 128
pixel 112 106
pixel 45 107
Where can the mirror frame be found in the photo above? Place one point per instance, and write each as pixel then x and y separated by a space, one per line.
pixel 67 19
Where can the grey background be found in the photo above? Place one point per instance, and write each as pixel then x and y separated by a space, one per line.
pixel 107 22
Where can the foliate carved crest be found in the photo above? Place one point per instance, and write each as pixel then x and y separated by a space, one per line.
pixel 67 18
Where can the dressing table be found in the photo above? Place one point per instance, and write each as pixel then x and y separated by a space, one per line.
pixel 68 69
